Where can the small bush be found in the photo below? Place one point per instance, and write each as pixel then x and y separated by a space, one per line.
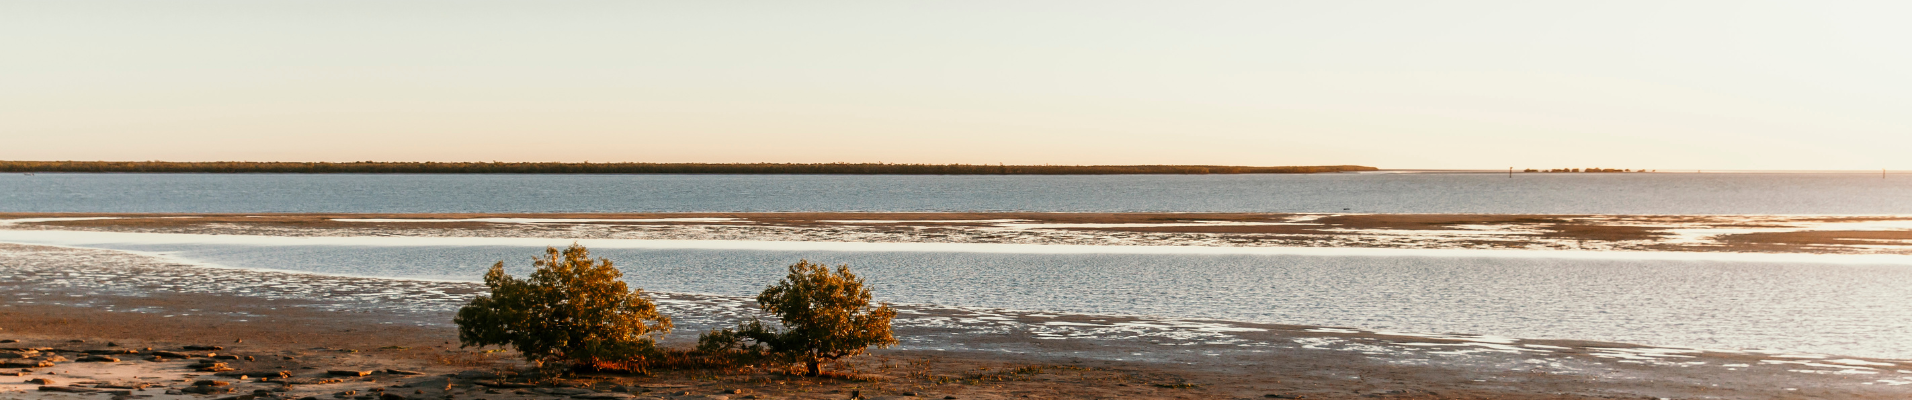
pixel 825 316
pixel 571 309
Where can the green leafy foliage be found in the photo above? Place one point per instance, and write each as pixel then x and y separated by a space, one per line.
pixel 825 315
pixel 571 308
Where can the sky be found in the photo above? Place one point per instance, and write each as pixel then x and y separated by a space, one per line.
pixel 1668 85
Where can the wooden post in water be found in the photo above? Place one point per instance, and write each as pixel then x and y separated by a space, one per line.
pixel 1510 172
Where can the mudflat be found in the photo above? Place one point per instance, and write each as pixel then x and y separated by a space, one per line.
pixel 1887 234
pixel 393 337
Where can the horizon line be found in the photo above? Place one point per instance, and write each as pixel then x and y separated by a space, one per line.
pixel 839 167
pixel 496 167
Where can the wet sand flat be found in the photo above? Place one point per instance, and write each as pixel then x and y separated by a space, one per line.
pixel 1671 233
pixel 57 294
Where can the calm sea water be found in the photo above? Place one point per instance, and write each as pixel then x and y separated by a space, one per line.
pixel 1663 193
pixel 1850 309
pixel 1846 309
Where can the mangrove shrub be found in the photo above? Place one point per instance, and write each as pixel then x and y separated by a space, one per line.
pixel 826 315
pixel 571 308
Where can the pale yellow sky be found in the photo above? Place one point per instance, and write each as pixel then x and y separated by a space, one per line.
pixel 1394 84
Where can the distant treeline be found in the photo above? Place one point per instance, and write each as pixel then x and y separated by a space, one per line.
pixel 368 167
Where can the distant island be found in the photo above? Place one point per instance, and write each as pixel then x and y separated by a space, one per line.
pixel 370 167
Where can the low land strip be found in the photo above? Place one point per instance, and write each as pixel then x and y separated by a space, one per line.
pixel 648 168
